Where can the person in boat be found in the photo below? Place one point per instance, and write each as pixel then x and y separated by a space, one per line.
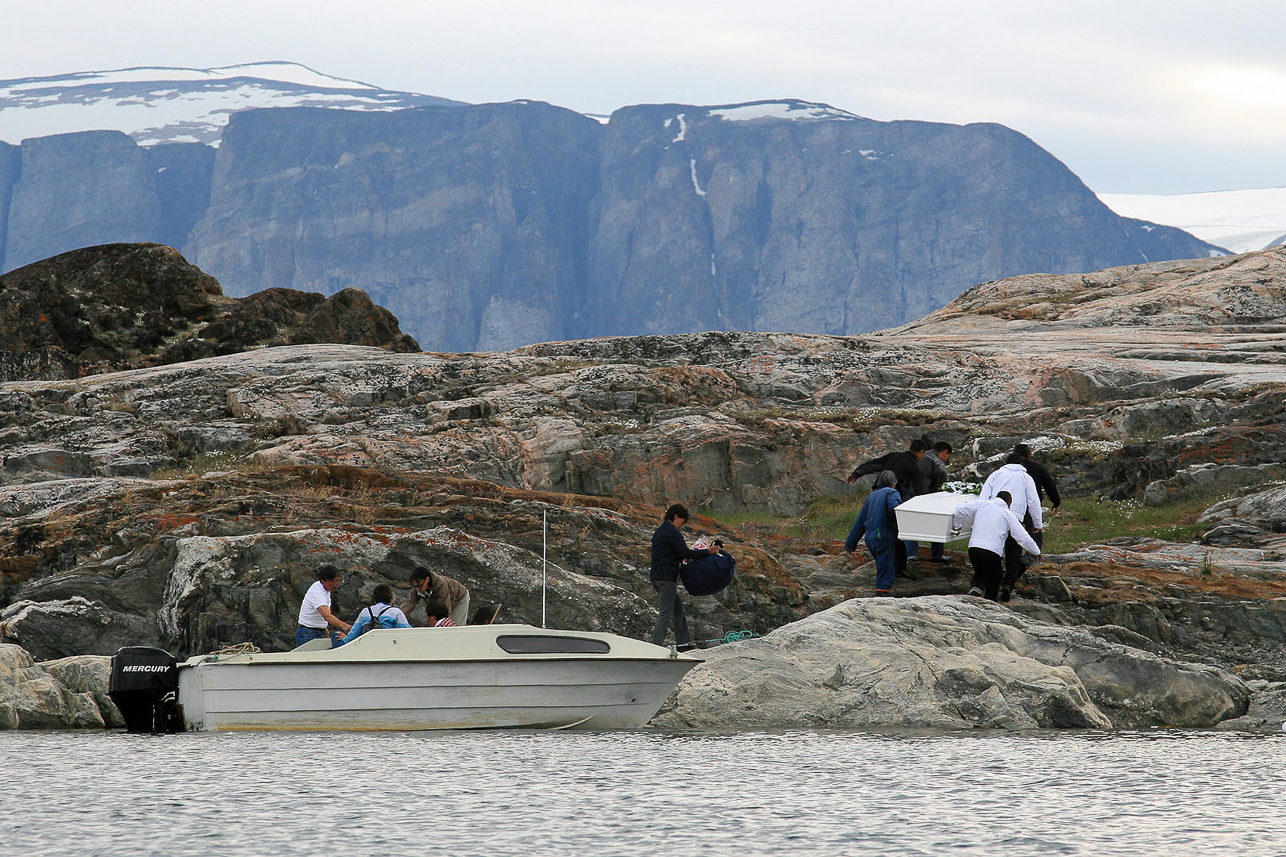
pixel 994 523
pixel 877 522
pixel 315 616
pixel 669 550
pixel 1014 479
pixel 438 615
pixel 380 614
pixel 428 586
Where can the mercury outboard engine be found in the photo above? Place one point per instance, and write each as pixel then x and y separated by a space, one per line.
pixel 144 686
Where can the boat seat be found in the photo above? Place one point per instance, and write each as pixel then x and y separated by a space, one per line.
pixel 486 614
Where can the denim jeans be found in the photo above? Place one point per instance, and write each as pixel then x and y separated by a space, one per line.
pixel 303 635
pixel 669 612
pixel 886 569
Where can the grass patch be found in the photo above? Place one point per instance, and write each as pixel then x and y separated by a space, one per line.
pixel 1083 521
pixel 206 462
pixel 825 520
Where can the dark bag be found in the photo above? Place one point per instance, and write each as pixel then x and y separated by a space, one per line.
pixel 708 575
pixel 379 620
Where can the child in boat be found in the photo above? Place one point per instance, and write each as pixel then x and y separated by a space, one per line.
pixel 438 614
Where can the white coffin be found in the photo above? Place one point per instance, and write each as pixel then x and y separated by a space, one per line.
pixel 927 518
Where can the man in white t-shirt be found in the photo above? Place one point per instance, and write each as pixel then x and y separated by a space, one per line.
pixel 315 615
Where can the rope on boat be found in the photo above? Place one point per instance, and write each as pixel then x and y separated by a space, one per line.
pixel 733 636
pixel 238 649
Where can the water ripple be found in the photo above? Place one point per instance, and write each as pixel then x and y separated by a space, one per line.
pixel 628 793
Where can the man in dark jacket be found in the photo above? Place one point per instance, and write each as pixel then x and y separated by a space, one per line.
pixel 1044 484
pixel 910 479
pixel 669 550
pixel 905 466
pixel 428 586
pixel 933 472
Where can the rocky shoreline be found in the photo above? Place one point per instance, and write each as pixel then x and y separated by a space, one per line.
pixel 183 504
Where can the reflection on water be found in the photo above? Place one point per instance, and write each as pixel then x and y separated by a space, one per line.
pixel 625 793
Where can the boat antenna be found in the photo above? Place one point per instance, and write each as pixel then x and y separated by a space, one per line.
pixel 544 553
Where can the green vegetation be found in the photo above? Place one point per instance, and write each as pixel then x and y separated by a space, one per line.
pixel 859 418
pixel 1085 520
pixel 825 520
pixel 1080 521
pixel 208 461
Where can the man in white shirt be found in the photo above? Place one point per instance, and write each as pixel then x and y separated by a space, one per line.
pixel 1014 479
pixel 315 615
pixel 994 524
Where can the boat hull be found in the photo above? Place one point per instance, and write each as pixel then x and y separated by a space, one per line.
pixel 362 691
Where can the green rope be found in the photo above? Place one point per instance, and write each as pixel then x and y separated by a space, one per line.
pixel 733 636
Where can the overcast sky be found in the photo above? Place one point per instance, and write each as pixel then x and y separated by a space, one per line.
pixel 1135 96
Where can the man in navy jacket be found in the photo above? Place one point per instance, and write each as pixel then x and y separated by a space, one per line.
pixel 669 550
pixel 878 522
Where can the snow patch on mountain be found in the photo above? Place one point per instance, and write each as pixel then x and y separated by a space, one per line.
pixel 179 105
pixel 780 110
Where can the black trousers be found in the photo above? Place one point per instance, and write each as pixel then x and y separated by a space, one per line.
pixel 1014 565
pixel 669 613
pixel 987 572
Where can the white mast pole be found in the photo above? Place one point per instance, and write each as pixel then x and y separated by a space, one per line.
pixel 544 553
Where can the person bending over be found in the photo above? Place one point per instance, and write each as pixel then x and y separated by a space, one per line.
pixel 993 523
pixel 429 586
pixel 878 523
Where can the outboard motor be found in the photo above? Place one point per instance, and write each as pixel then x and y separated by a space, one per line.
pixel 144 686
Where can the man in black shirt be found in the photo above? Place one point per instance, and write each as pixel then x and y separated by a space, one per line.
pixel 911 479
pixel 905 466
pixel 669 550
pixel 933 470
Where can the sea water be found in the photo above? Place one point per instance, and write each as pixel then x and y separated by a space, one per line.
pixel 642 792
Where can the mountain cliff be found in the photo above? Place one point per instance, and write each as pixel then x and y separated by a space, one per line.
pixel 493 226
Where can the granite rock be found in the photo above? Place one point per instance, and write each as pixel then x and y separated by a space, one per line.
pixel 34 697
pixel 120 306
pixel 944 663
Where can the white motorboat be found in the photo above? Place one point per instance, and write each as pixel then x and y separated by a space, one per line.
pixel 472 677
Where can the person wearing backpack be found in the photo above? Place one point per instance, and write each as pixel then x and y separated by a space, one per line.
pixel 381 614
